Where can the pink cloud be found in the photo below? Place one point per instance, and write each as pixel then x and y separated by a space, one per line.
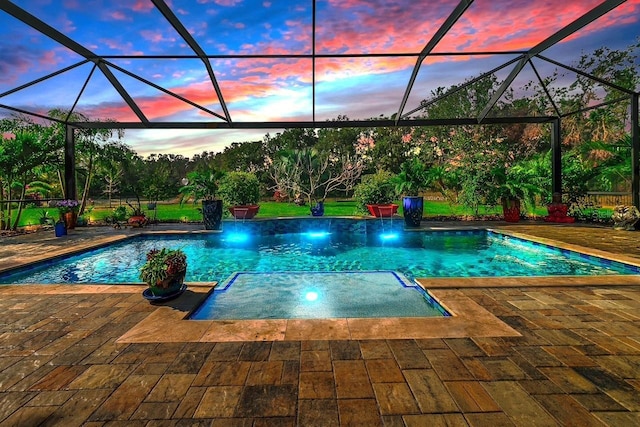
pixel 71 4
pixel 119 16
pixel 155 36
pixel 226 3
pixel 142 6
pixel 496 25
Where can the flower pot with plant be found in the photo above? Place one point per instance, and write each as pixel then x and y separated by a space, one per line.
pixel 376 193
pixel 240 192
pixel 513 186
pixel 68 210
pixel 164 272
pixel 412 179
pixel 137 218
pixel 203 186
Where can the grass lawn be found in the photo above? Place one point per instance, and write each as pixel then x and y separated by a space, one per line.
pixel 167 212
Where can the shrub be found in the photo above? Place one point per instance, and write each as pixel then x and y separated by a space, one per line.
pixel 375 189
pixel 239 188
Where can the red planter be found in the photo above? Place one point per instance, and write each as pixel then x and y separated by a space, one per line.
pixel 137 221
pixel 511 210
pixel 70 219
pixel 244 212
pixel 382 211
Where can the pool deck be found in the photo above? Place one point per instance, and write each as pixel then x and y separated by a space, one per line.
pixel 519 351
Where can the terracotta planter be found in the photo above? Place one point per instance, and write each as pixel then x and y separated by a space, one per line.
pixel 70 219
pixel 511 210
pixel 383 211
pixel 137 221
pixel 244 212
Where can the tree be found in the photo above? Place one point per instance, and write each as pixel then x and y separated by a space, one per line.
pixel 21 155
pixel 89 144
pixel 314 174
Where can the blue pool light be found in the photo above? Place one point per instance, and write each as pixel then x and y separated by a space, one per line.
pixel 318 234
pixel 237 237
pixel 389 236
pixel 311 296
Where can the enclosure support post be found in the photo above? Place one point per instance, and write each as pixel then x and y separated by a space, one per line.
pixel 556 156
pixel 69 163
pixel 635 151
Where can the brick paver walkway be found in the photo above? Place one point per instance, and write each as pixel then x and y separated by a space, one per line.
pixel 577 362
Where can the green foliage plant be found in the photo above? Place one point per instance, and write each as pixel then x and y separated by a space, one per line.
pixel 515 183
pixel 239 189
pixel 119 213
pixel 161 265
pixel 375 189
pixel 413 178
pixel 201 185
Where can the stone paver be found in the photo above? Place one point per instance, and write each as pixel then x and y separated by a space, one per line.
pixel 575 361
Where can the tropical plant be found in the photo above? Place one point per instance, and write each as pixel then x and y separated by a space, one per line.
pixel 201 185
pixel 375 189
pixel 119 214
pixel 413 177
pixel 239 189
pixel 25 149
pixel 44 218
pixel 162 266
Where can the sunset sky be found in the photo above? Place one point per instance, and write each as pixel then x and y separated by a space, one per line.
pixel 277 89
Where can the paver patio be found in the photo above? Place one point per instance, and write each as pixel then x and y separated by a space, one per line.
pixel 68 356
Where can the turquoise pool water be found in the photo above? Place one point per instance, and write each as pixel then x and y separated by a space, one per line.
pixel 317 295
pixel 322 274
pixel 214 257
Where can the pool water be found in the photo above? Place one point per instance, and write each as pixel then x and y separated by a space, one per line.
pixel 317 295
pixel 214 257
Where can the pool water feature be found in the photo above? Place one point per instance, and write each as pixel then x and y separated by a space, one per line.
pixel 215 256
pixel 317 295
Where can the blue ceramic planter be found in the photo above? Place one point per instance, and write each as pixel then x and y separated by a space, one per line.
pixel 412 209
pixel 60 229
pixel 318 209
pixel 212 214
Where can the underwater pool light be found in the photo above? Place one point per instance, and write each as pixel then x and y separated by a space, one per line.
pixel 237 237
pixel 311 296
pixel 318 234
pixel 389 236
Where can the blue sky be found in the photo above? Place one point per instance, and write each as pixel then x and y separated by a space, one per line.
pixel 276 89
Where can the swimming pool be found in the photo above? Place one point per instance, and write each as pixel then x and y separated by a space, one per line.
pixel 214 257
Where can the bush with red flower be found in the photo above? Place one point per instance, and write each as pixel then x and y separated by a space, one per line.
pixel 164 267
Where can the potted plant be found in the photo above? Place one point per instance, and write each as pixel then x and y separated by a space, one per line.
pixel 513 186
pixel 376 194
pixel 137 217
pixel 68 210
pixel 203 186
pixel 240 191
pixel 164 272
pixel 412 179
